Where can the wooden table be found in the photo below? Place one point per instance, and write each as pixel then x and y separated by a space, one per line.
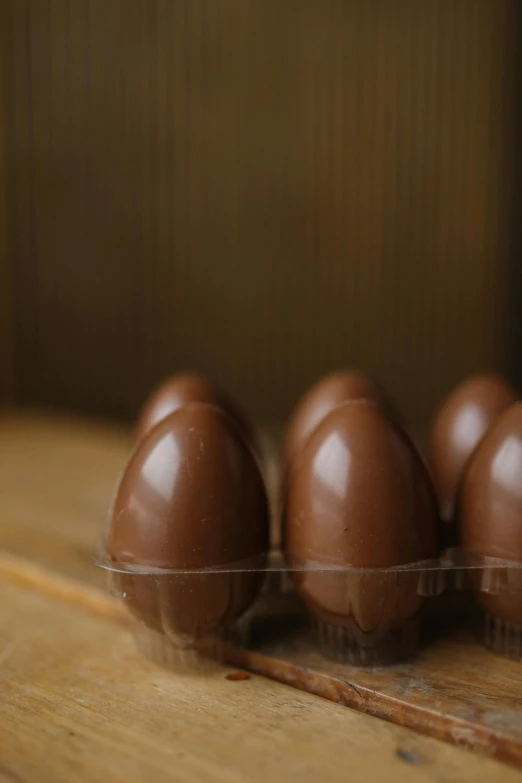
pixel 78 703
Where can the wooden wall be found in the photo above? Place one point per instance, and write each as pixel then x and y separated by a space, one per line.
pixel 6 332
pixel 262 189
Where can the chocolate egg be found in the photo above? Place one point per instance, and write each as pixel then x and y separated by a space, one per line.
pixel 323 397
pixel 457 428
pixel 183 388
pixel 190 499
pixel 359 497
pixel 490 516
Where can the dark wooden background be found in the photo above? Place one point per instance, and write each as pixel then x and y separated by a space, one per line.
pixel 260 189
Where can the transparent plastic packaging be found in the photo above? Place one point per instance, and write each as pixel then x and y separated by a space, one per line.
pixel 185 619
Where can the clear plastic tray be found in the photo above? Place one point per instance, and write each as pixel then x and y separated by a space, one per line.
pixel 185 618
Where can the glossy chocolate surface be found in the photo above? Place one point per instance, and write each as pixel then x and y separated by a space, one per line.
pixel 179 390
pixel 457 428
pixel 359 495
pixel 490 514
pixel 323 397
pixel 191 497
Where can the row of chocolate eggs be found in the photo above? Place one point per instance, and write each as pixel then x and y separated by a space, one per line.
pixel 357 496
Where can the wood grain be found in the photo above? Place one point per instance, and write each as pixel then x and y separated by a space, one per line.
pixel 77 703
pixel 56 481
pixel 6 291
pixel 453 689
pixel 345 167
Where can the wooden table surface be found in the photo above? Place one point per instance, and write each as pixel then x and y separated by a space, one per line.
pixel 78 703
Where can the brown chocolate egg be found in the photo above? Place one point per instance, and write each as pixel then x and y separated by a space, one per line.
pixel 183 388
pixel 490 516
pixel 359 497
pixel 457 428
pixel 323 397
pixel 191 498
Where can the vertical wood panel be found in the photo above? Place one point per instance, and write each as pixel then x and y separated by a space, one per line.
pixel 261 189
pixel 6 330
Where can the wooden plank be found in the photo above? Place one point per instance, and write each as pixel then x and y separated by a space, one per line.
pixel 435 694
pixel 90 599
pixel 454 688
pixel 56 480
pixel 56 477
pixel 78 704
